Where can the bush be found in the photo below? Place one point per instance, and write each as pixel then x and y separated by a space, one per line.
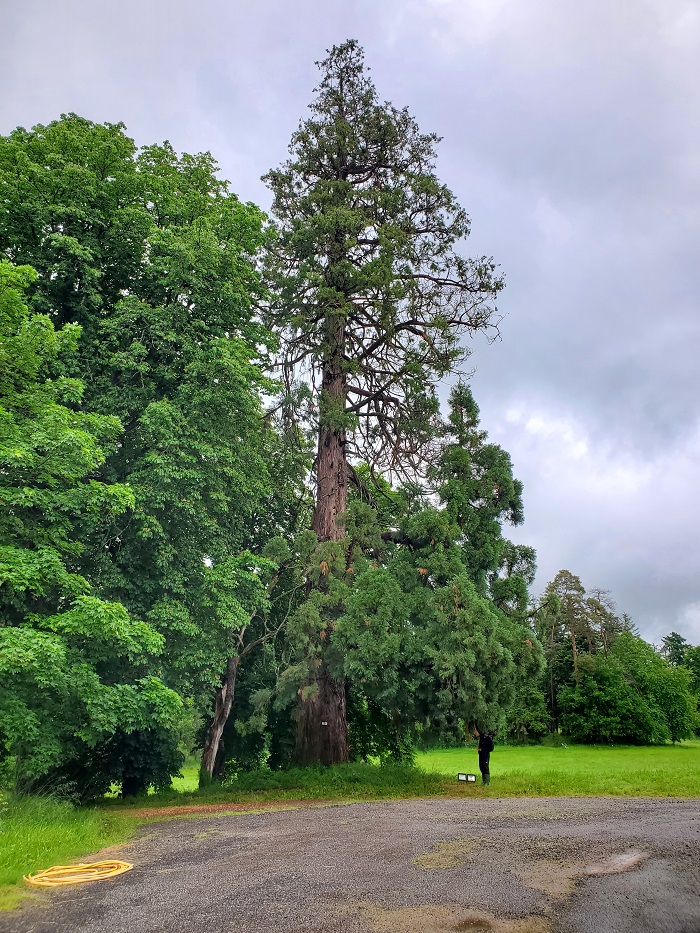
pixel 349 780
pixel 135 761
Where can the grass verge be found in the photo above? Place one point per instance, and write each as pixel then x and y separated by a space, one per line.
pixel 342 782
pixel 38 832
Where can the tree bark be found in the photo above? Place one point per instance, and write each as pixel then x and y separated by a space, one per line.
pixel 331 457
pixel 322 725
pixel 222 708
pixel 573 649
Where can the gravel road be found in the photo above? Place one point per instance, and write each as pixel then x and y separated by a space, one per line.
pixel 526 865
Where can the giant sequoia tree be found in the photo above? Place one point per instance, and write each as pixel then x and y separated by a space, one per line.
pixel 371 299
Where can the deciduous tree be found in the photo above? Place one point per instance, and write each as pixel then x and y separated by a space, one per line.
pixel 75 669
pixel 155 258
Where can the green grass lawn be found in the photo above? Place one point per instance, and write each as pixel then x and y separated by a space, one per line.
pixel 537 770
pixel 190 776
pixel 38 832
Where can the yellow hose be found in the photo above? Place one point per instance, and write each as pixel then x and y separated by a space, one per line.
pixel 77 874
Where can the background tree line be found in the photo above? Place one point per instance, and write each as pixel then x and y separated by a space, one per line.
pixel 231 504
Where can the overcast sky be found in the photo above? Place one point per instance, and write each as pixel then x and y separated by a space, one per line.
pixel 571 136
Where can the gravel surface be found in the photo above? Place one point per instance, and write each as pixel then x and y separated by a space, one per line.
pixel 525 865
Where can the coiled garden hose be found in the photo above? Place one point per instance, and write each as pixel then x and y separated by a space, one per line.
pixel 77 874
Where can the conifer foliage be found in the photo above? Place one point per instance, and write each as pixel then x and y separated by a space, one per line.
pixel 371 298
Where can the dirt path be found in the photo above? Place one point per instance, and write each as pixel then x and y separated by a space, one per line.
pixel 259 806
pixel 545 865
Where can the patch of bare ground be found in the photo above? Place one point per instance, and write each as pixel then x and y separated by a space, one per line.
pixel 552 877
pixel 557 877
pixel 449 854
pixel 431 919
pixel 543 865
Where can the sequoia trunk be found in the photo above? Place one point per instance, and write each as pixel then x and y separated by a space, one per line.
pixel 331 459
pixel 322 725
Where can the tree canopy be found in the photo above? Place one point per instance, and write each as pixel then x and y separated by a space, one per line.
pixel 234 512
pixel 75 667
pixel 154 259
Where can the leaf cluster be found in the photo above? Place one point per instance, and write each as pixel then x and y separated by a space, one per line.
pixel 74 666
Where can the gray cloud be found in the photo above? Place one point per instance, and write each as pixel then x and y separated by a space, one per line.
pixel 571 135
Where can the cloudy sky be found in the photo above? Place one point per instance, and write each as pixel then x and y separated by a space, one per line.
pixel 572 137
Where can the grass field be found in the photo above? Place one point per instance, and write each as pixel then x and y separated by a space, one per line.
pixel 537 770
pixel 658 771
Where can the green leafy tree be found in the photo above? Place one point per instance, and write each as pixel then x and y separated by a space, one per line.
pixel 75 669
pixel 371 299
pixel 633 695
pixel 509 584
pixel 424 653
pixel 662 686
pixel 155 258
pixel 692 662
pixel 605 707
pixel 563 626
pixel 571 609
pixel 549 629
pixel 400 607
pixel 475 481
pixel 527 716
pixel 603 623
pixel 572 624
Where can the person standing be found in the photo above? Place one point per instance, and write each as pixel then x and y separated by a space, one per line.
pixel 485 748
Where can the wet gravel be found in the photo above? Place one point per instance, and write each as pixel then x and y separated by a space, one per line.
pixel 525 865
